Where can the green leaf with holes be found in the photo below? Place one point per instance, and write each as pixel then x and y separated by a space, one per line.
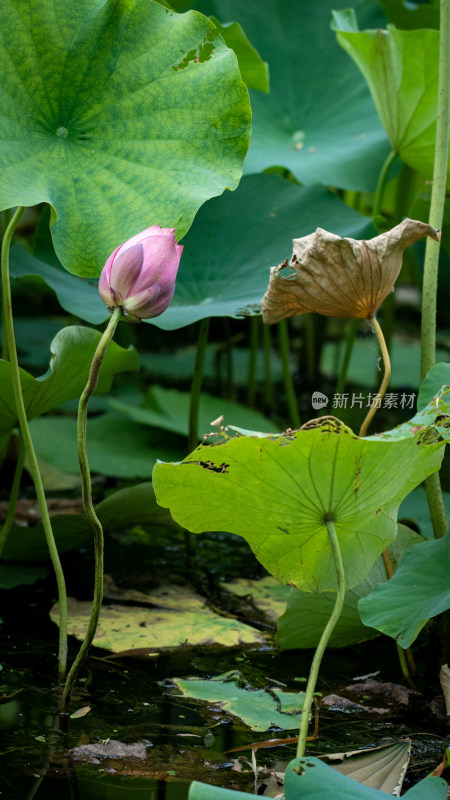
pixel 401 69
pixel 119 115
pixel 72 351
pixel 277 491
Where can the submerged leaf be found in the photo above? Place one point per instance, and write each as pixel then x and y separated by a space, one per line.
pixel 179 617
pixel 257 708
pixel 340 277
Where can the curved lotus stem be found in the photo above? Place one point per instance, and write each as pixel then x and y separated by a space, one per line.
pixel 324 639
pixel 386 378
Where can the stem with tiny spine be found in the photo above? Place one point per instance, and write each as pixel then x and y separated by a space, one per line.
pixel 324 639
pixel 431 265
pixel 13 495
pixel 386 378
pixel 8 328
pixel 89 506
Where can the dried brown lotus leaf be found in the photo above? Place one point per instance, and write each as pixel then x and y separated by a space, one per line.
pixel 337 277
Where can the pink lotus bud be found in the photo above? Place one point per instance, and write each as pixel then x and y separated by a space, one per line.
pixel 139 276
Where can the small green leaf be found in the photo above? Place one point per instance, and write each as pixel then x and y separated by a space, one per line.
pixel 72 351
pixel 433 383
pixel 169 409
pixel 401 69
pixel 254 71
pixel 418 591
pixel 120 116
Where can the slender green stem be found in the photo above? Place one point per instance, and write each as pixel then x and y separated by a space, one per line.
pixel 88 504
pixel 5 222
pixel 283 338
pixel 351 335
pixel 9 521
pixel 8 330
pixel 196 386
pixel 430 277
pixel 253 354
pixel 324 639
pixel 386 378
pixel 382 180
pixel 268 383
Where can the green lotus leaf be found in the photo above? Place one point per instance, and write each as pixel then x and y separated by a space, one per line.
pixel 401 69
pixel 72 351
pixel 318 119
pixel 277 491
pixel 303 621
pixel 119 115
pixel 320 780
pixel 417 592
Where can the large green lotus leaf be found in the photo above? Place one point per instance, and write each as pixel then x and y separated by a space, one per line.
pixel 418 591
pixel 306 614
pixel 276 491
pixel 169 409
pixel 72 351
pixel 236 238
pixel 401 69
pixel 257 708
pixel 320 780
pixel 318 119
pixel 117 446
pixel 78 297
pixel 119 115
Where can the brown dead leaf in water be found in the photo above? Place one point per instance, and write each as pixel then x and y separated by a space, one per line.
pixel 340 277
